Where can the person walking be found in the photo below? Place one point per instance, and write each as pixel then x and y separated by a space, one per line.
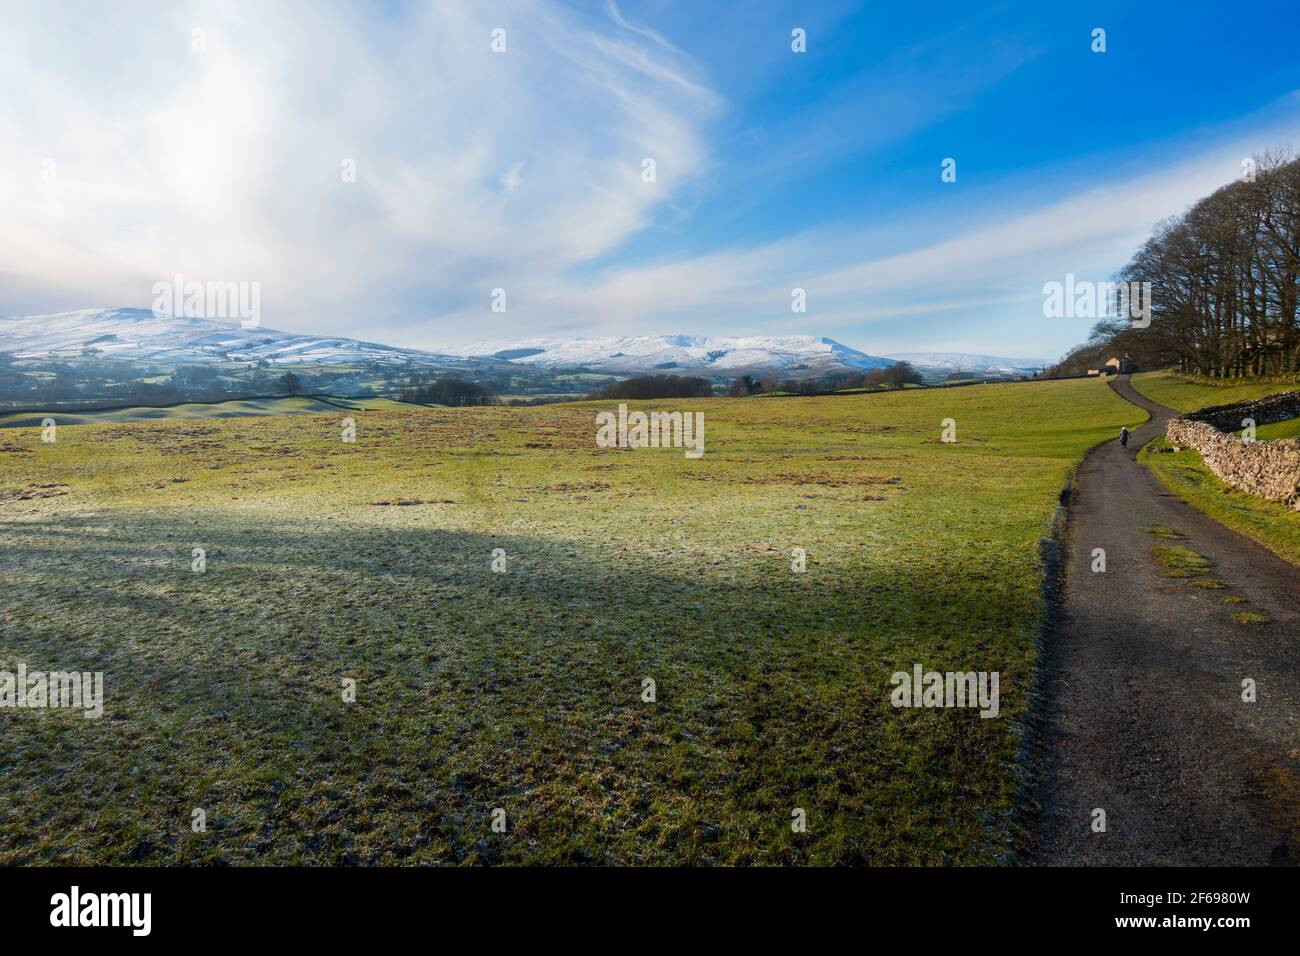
pixel 1123 436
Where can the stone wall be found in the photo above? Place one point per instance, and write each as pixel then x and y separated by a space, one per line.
pixel 1270 469
pixel 1263 411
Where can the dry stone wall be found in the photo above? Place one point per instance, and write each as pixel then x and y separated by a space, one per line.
pixel 1270 469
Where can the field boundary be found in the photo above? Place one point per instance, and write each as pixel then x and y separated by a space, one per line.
pixel 856 391
pixel 1149 460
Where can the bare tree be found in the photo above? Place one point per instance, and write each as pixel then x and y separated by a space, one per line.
pixel 902 373
pixel 1224 279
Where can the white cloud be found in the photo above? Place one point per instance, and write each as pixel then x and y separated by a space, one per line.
pixel 474 169
pixel 967 288
pixel 477 170
pixel 510 179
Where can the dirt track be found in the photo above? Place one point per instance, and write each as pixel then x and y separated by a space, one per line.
pixel 1145 717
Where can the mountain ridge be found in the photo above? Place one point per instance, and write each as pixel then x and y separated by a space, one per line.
pixel 139 335
pixel 717 354
pixel 972 362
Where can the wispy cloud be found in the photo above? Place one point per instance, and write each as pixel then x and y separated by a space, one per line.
pixel 991 270
pixel 136 148
pixel 213 140
pixel 617 16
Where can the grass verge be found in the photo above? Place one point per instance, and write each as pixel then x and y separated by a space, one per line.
pixel 1270 523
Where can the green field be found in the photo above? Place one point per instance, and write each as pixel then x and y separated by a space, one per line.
pixel 1185 394
pixel 239 408
pixel 372 561
pixel 1287 429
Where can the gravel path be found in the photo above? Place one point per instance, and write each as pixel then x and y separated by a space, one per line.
pixel 1144 715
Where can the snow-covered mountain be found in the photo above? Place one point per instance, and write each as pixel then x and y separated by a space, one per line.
pixel 965 362
pixel 711 354
pixel 139 335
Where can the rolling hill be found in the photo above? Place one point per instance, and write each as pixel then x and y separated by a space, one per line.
pixel 705 354
pixel 137 334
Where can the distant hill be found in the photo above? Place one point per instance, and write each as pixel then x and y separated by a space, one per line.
pixel 137 334
pixel 980 365
pixel 712 355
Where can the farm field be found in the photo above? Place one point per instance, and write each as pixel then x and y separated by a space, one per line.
pixel 1287 429
pixel 241 408
pixel 372 562
pixel 1187 395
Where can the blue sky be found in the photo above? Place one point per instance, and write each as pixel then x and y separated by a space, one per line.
pixel 852 128
pixel 521 170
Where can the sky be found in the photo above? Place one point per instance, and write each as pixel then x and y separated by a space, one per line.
pixel 380 169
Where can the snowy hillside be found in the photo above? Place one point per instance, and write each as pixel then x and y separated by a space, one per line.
pixel 139 335
pixel 965 362
pixel 718 354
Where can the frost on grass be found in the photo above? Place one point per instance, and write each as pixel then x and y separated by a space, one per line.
pixel 370 562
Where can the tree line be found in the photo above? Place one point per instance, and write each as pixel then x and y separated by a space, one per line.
pixel 893 376
pixel 1224 282
pixel 656 386
pixel 446 391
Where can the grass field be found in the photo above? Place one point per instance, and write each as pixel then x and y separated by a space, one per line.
pixel 371 561
pixel 250 408
pixel 1287 429
pixel 1185 394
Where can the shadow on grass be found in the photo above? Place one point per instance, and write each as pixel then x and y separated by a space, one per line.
pixel 476 690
